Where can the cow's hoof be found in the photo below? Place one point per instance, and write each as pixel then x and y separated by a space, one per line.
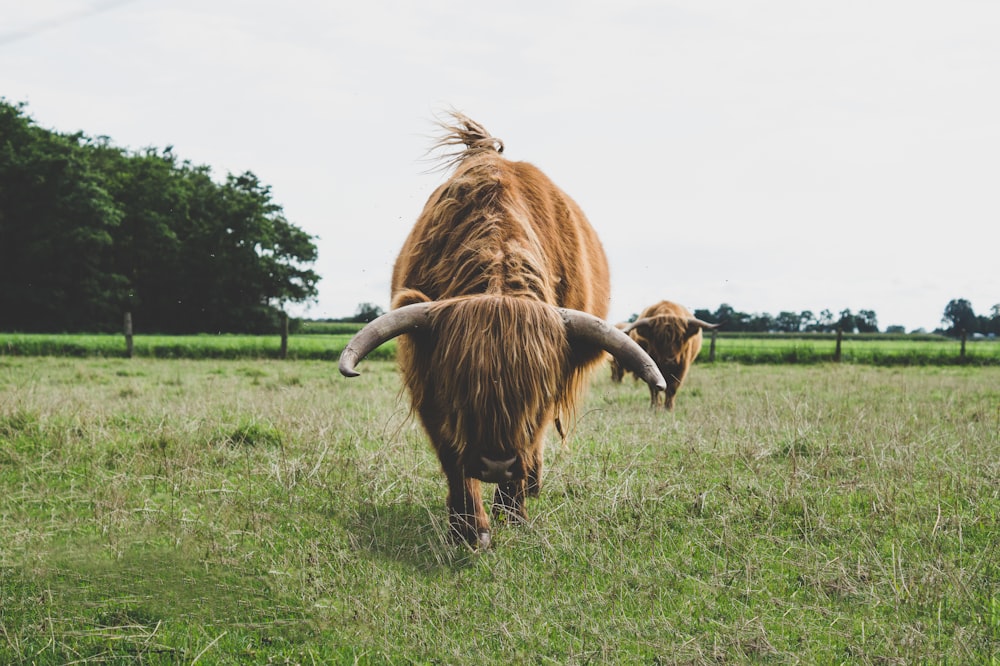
pixel 469 536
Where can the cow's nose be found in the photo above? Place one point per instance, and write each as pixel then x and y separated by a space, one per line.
pixel 497 471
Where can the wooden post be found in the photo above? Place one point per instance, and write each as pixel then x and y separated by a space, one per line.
pixel 961 354
pixel 284 335
pixel 840 337
pixel 128 335
pixel 711 347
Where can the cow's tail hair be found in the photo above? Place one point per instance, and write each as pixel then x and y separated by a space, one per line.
pixel 460 130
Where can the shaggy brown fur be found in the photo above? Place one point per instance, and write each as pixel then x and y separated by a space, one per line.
pixel 496 247
pixel 672 337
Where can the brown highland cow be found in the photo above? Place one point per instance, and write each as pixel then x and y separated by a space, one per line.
pixel 499 294
pixel 671 335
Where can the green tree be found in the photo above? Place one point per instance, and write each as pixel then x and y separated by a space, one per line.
pixel 88 230
pixel 57 225
pixel 730 319
pixel 151 191
pixel 761 323
pixel 788 322
pixel 993 325
pixel 866 321
pixel 847 322
pixel 821 323
pixel 701 313
pixel 959 314
pixel 366 312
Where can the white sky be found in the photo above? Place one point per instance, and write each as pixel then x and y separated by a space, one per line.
pixel 772 155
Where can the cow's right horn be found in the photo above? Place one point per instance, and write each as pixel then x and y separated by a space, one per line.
pixel 382 329
pixel 585 326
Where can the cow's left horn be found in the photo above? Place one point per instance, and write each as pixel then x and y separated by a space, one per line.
pixel 382 329
pixel 636 324
pixel 694 321
pixel 585 326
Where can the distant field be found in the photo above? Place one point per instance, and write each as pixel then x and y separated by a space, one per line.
pixel 325 341
pixel 868 349
pixel 257 511
pixel 311 346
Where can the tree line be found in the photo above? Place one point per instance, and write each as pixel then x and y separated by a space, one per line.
pixel 958 318
pixel 90 231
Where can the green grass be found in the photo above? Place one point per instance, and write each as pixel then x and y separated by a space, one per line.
pixel 323 341
pixel 315 327
pixel 884 350
pixel 226 512
pixel 313 346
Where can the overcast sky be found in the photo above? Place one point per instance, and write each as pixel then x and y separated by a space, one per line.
pixel 772 155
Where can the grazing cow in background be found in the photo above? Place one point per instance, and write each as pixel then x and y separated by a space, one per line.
pixel 671 335
pixel 499 294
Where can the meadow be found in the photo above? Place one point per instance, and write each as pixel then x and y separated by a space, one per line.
pixel 319 347
pixel 875 349
pixel 323 341
pixel 258 511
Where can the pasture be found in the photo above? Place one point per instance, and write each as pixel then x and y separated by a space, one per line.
pixel 321 341
pixel 234 511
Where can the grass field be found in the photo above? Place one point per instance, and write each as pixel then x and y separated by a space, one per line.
pixel 318 347
pixel 230 512
pixel 324 342
pixel 885 350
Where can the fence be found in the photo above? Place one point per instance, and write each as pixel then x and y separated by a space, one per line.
pixel 879 349
pixel 324 341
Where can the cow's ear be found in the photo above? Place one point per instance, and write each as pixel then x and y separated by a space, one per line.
pixel 408 297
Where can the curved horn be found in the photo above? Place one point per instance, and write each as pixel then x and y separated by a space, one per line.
pixel 691 321
pixel 585 326
pixel 382 329
pixel 694 321
pixel 637 323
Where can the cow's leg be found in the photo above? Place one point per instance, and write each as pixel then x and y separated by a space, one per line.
pixel 508 501
pixel 654 396
pixel 617 371
pixel 534 466
pixel 466 515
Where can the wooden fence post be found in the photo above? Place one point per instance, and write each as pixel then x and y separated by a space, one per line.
pixel 840 337
pixel 711 348
pixel 128 335
pixel 284 335
pixel 961 353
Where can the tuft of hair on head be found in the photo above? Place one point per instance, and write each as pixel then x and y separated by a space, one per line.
pixel 462 130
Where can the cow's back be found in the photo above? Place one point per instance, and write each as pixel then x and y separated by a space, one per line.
pixel 502 227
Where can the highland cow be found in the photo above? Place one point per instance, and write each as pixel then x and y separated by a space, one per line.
pixel 499 295
pixel 671 335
